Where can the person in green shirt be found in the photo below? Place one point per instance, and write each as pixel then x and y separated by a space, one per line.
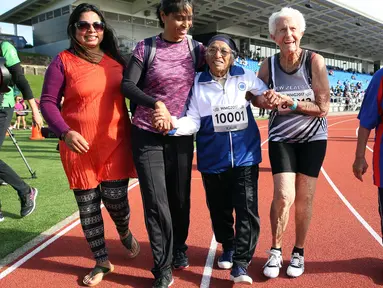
pixel 26 193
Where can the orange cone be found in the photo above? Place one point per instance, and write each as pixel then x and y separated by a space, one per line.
pixel 36 133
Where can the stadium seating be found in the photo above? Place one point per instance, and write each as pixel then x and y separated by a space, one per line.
pixel 343 76
pixel 250 64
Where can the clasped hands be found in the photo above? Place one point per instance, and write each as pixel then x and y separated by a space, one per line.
pixel 161 118
pixel 273 99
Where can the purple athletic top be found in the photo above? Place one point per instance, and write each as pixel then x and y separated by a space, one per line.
pixel 54 83
pixel 168 79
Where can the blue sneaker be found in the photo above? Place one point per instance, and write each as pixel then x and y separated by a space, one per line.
pixel 225 261
pixel 239 275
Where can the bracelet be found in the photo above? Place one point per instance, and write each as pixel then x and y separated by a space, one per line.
pixel 294 106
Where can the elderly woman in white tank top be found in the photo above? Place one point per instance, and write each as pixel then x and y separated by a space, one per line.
pixel 297 133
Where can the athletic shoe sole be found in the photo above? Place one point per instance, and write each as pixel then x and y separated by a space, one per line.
pixel 271 275
pixel 180 267
pixel 225 265
pixel 294 273
pixel 243 279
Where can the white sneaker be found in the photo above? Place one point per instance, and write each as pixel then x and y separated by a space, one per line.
pixel 273 264
pixel 297 265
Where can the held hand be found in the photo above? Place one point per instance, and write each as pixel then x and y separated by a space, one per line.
pixel 360 167
pixel 285 100
pixel 272 99
pixel 158 117
pixel 36 119
pixel 164 123
pixel 76 142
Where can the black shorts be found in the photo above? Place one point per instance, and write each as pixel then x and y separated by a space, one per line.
pixel 305 158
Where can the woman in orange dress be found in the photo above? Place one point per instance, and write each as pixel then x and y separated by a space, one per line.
pixel 95 126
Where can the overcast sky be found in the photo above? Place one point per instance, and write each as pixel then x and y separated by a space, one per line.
pixel 371 8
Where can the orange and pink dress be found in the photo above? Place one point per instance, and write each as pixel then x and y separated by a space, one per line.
pixel 95 108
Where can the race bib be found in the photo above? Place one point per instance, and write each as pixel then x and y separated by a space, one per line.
pixel 229 118
pixel 302 95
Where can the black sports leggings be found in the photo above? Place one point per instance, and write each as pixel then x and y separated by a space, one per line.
pixel 114 196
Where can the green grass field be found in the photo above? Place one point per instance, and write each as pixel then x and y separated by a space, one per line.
pixel 55 201
pixel 36 83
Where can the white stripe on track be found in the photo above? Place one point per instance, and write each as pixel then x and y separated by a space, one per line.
pixel 336 123
pixel 37 250
pixel 208 270
pixel 345 201
pixel 352 209
pixel 44 245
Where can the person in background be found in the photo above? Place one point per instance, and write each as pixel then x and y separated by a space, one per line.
pixel 164 163
pixel 26 193
pixel 94 127
pixel 297 134
pixel 370 116
pixel 20 114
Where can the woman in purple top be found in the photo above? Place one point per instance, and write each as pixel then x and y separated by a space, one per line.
pixel 163 162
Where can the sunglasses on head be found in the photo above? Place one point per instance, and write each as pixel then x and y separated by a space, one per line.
pixel 84 26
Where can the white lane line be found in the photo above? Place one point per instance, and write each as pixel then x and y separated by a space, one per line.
pixel 208 270
pixel 264 142
pixel 345 201
pixel 37 250
pixel 336 123
pixel 356 132
pixel 44 245
pixel 352 209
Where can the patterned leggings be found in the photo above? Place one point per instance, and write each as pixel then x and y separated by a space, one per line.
pixel 114 196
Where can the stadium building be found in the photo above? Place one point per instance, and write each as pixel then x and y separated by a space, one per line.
pixel 346 38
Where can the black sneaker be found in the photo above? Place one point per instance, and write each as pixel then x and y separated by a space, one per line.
pixel 28 202
pixel 180 260
pixel 164 281
pixel 1 216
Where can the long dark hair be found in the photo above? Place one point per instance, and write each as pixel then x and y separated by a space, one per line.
pixel 109 43
pixel 173 6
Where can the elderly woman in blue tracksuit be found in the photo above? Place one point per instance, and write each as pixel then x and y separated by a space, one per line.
pixel 228 151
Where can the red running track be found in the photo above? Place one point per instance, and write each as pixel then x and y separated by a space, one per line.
pixel 340 251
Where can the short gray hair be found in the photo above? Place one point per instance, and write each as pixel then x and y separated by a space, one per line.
pixel 286 12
